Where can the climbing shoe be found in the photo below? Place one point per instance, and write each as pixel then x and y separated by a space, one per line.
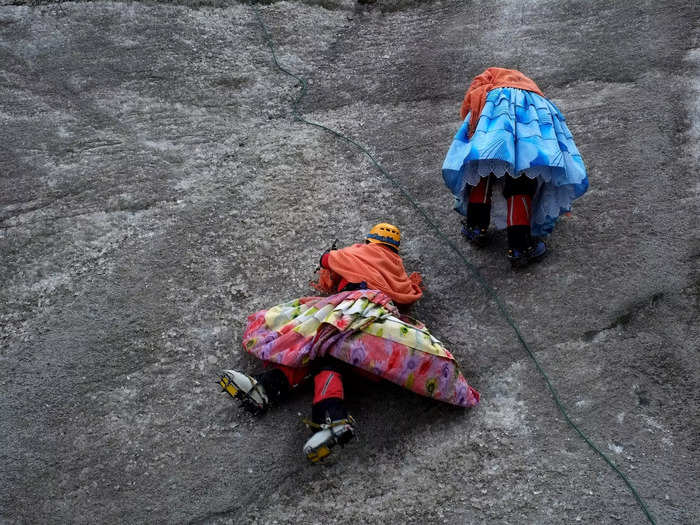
pixel 329 435
pixel 479 237
pixel 533 253
pixel 246 389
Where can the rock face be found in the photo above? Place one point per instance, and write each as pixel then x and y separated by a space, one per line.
pixel 155 189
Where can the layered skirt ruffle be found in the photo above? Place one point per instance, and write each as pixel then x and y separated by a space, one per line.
pixel 522 134
pixel 364 329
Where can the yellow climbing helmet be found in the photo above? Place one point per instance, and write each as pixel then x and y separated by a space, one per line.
pixel 385 233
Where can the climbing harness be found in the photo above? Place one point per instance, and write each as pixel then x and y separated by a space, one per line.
pixel 475 272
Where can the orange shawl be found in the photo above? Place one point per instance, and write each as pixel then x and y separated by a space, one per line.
pixel 492 78
pixel 378 266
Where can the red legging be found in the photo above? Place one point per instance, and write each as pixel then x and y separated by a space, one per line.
pixel 327 383
pixel 328 387
pixel 294 375
pixel 518 193
pixel 519 208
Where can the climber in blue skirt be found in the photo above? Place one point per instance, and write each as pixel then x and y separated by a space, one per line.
pixel 515 139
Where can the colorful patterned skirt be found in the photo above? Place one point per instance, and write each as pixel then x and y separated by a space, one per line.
pixel 362 328
pixel 522 134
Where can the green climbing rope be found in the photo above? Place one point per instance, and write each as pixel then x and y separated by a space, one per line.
pixel 475 272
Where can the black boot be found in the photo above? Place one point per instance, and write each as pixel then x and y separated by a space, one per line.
pixel 524 249
pixel 333 427
pixel 475 228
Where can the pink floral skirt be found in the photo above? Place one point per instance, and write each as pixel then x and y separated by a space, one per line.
pixel 364 329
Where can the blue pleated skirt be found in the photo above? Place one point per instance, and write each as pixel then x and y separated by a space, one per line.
pixel 522 134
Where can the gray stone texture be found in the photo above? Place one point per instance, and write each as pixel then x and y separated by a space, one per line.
pixel 155 189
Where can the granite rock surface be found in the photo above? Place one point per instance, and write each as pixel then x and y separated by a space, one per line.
pixel 155 189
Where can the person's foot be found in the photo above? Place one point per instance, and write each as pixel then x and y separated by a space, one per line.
pixel 533 253
pixel 246 389
pixel 333 433
pixel 476 235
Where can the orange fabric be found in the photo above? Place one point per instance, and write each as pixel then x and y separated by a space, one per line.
pixel 492 78
pixel 377 265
